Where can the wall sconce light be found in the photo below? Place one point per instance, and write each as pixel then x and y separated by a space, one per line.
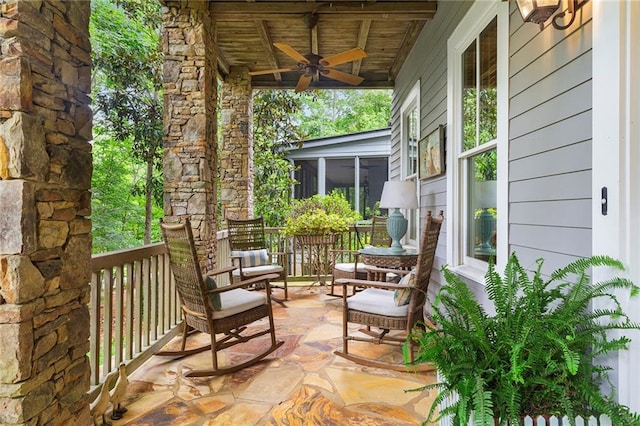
pixel 538 11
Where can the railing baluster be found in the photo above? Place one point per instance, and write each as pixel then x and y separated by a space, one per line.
pixel 129 311
pixel 146 303
pixel 119 303
pixel 138 306
pixel 107 327
pixel 94 339
pixel 153 299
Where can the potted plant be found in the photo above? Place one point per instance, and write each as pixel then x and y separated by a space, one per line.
pixel 539 354
pixel 319 217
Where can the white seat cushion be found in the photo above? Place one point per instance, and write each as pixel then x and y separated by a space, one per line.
pixel 258 270
pixel 239 300
pixel 348 267
pixel 377 301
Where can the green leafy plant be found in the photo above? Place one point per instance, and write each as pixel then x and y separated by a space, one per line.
pixel 538 354
pixel 320 215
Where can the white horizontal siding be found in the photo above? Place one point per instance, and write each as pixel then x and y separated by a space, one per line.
pixel 550 91
pixel 553 239
pixel 566 132
pixel 553 110
pixel 569 186
pixel 561 213
pixel 562 160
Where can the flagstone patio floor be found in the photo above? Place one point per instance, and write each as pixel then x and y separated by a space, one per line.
pixel 302 383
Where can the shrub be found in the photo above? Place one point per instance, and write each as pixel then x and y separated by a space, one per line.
pixel 320 215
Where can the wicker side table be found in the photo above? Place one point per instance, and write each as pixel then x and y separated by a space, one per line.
pixel 381 257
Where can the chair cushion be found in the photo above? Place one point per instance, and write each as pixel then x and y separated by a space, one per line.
pixel 377 301
pixel 210 284
pixel 403 295
pixel 258 270
pixel 348 267
pixel 237 301
pixel 252 257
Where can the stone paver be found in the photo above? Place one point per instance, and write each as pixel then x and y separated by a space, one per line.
pixel 301 383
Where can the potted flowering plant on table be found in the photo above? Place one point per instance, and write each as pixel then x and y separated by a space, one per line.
pixel 319 218
pixel 316 222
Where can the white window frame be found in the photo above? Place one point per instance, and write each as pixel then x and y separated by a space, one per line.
pixel 475 21
pixel 412 101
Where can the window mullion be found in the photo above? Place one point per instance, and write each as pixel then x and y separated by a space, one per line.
pixel 478 76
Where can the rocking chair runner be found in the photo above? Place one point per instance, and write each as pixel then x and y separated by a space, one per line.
pixel 375 305
pixel 357 270
pixel 237 307
pixel 249 252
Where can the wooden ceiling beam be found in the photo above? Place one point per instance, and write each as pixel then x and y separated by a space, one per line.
pixel 408 41
pixel 223 64
pixel 388 10
pixel 363 35
pixel 267 43
pixel 322 84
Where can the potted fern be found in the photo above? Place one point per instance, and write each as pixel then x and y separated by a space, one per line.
pixel 538 354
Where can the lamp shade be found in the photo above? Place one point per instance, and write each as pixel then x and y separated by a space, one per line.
pixel 397 194
pixel 537 11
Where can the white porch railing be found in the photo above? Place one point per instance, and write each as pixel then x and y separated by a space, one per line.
pixel 133 307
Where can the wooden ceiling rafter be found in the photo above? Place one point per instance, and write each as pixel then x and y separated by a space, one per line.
pixel 408 40
pixel 267 43
pixel 363 34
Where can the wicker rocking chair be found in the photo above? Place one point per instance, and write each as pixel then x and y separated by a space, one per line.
pixel 251 256
pixel 376 306
pixel 357 270
pixel 224 313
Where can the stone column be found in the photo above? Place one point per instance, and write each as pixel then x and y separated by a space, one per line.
pixel 45 202
pixel 236 161
pixel 190 141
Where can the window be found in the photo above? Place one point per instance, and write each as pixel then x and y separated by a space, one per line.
pixel 340 175
pixel 477 109
pixel 307 176
pixel 410 113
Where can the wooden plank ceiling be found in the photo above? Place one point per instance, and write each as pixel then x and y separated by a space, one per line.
pixel 385 30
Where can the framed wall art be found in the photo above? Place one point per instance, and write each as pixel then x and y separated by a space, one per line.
pixel 431 157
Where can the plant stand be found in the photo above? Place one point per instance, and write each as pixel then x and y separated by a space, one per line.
pixel 318 253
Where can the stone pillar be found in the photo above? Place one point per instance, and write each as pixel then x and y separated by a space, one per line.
pixel 45 202
pixel 190 141
pixel 236 160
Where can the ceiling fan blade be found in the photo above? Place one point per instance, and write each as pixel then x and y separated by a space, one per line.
pixel 341 58
pixel 263 72
pixel 354 80
pixel 303 83
pixel 291 52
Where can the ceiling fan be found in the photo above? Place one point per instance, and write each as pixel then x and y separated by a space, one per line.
pixel 315 65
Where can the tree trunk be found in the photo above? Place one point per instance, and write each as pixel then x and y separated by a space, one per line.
pixel 148 201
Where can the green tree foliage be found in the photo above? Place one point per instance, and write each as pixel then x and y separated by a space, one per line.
pixel 274 130
pixel 117 212
pixel 127 86
pixel 339 112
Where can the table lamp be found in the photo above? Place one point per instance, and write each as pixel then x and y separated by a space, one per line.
pixel 398 195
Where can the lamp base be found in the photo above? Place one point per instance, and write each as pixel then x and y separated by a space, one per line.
pixel 396 227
